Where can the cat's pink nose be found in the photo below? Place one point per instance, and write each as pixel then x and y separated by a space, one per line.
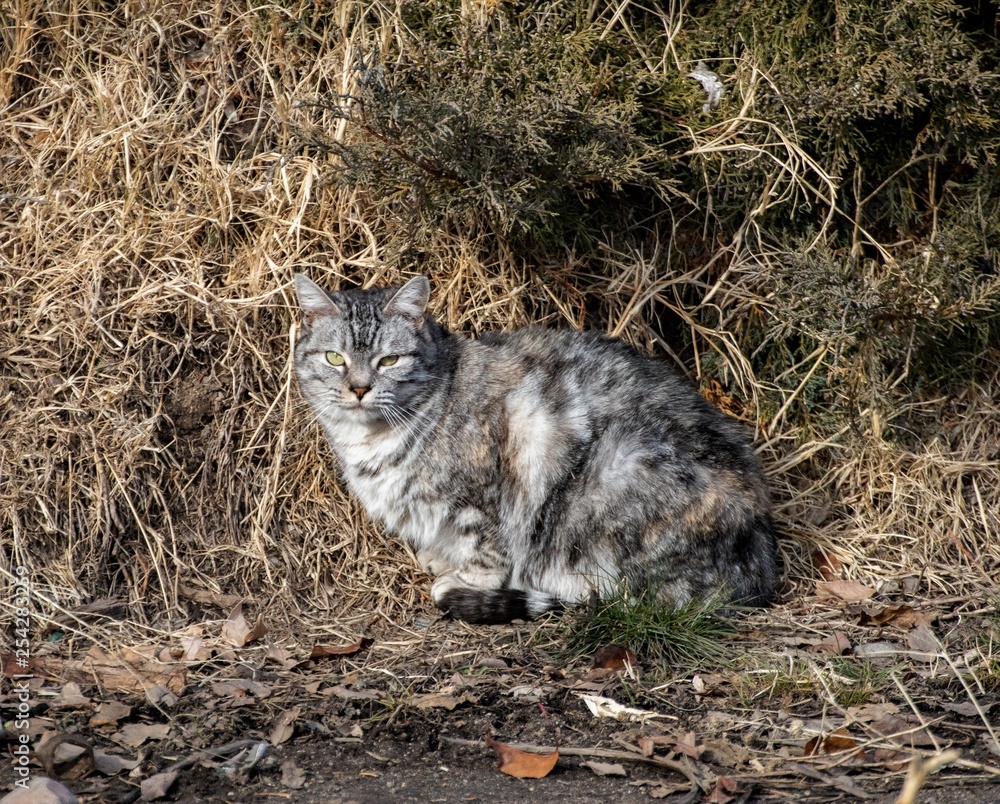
pixel 360 391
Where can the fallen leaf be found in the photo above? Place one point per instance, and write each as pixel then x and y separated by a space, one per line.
pixel 158 786
pixel 41 789
pixel 237 632
pixel 646 746
pixel 828 565
pixel 322 651
pixel 836 644
pixel 350 729
pixel 968 709
pixel 110 764
pixel 439 701
pixel 923 640
pixel 688 745
pixel 160 696
pixel 605 768
pixel 902 731
pixel 11 665
pixel 613 657
pixel 108 714
pixel 833 743
pixel 707 683
pixel 522 764
pixel 135 734
pixel 292 776
pixel 284 726
pixel 724 786
pixel 241 691
pixel 892 759
pixel 866 713
pixel 844 590
pixel 208 598
pixel 70 697
pixel 724 753
pixel 346 694
pixel 902 617
pixel 281 655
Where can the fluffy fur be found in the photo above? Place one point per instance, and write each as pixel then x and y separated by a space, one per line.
pixel 531 469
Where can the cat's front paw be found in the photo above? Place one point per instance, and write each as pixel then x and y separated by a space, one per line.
pixel 432 563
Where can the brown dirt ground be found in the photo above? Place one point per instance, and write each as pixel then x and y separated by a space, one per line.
pixel 373 726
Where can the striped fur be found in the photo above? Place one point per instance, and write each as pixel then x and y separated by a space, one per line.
pixel 533 468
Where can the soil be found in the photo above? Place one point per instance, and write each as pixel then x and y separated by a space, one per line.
pixel 403 719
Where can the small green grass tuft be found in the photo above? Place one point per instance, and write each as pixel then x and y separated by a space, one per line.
pixel 663 637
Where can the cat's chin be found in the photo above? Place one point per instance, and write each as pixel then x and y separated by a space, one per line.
pixel 361 414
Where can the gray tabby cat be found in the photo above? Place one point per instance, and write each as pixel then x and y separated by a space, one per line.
pixel 529 469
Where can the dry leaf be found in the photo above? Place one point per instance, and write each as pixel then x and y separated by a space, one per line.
pixel 827 564
pixel 284 726
pixel 292 776
pixel 688 746
pixel 613 657
pixel 111 764
pixel 923 640
pixel 158 786
pixel 902 617
pixel 439 701
pixel 892 759
pixel 902 731
pixel 522 764
pixel 866 713
pixel 833 743
pixel 135 734
pixel 724 787
pixel 851 591
pixel 108 714
pixel 724 753
pixel 836 644
pixel 605 768
pixel 281 655
pixel 209 598
pixel 70 697
pixel 707 683
pixel 322 651
pixel 346 694
pixel 41 789
pixel 237 632
pixel 10 665
pixel 646 746
pixel 350 729
pixel 241 691
pixel 968 708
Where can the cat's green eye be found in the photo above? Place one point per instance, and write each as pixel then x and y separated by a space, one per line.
pixel 388 360
pixel 334 358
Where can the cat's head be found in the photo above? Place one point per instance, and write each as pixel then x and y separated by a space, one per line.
pixel 368 354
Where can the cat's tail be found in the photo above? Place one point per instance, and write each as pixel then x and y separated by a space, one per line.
pixel 496 606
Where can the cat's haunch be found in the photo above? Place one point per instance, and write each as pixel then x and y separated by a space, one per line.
pixel 531 468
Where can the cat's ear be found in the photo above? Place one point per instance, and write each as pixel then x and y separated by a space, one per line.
pixel 410 300
pixel 313 300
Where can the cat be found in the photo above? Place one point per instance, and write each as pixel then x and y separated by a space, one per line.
pixel 533 469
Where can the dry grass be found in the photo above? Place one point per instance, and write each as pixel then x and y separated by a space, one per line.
pixel 154 206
